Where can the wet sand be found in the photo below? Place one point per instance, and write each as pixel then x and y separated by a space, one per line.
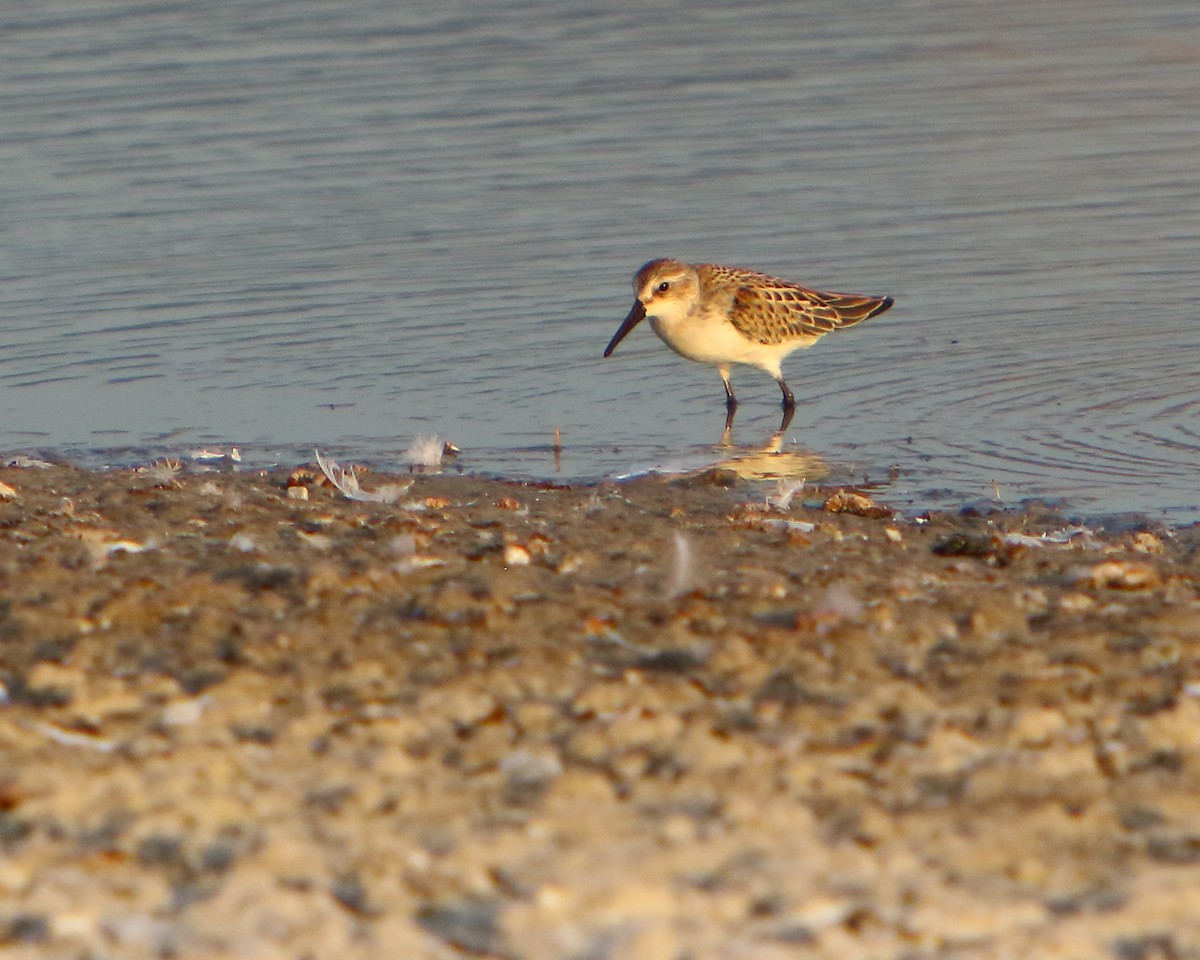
pixel 653 720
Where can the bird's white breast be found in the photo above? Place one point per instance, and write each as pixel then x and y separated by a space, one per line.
pixel 707 336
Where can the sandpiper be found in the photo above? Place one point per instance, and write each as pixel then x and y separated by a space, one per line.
pixel 727 315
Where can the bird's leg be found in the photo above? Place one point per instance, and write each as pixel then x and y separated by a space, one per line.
pixel 789 405
pixel 730 399
pixel 789 402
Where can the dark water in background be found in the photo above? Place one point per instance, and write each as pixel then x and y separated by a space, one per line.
pixel 290 223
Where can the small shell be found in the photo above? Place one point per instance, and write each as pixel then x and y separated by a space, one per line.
pixel 847 501
pixel 516 555
pixel 1119 575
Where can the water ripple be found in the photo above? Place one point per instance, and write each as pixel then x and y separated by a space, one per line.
pixel 285 222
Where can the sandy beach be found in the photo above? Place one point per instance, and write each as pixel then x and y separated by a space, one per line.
pixel 698 718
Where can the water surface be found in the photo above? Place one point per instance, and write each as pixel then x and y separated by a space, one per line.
pixel 287 223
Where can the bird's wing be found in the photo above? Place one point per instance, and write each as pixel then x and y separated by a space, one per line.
pixel 775 311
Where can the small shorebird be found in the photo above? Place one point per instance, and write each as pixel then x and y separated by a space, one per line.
pixel 727 315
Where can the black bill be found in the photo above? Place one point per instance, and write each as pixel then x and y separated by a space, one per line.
pixel 636 316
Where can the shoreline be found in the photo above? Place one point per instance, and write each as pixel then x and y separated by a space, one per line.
pixel 646 719
pixel 909 491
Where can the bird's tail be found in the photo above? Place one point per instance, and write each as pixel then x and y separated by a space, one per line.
pixel 852 308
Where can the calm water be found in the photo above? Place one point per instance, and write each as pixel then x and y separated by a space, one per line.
pixel 289 223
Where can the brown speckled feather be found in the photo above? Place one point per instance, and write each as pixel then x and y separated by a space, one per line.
pixel 769 310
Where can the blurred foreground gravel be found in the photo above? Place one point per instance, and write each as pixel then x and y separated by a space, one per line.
pixel 655 720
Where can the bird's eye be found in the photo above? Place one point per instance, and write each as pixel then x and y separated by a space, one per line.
pixel 664 287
